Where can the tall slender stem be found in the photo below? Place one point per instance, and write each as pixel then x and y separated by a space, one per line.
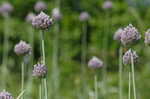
pixel 45 87
pixel 5 50
pixel 43 47
pixel 133 76
pixel 84 46
pixel 96 87
pixel 22 79
pixel 43 57
pixel 120 73
pixel 129 92
pixel 83 57
pixel 40 89
pixel 55 64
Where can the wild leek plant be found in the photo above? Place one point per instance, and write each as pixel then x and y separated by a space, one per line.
pixel 23 49
pixel 130 58
pixel 127 36
pixel 117 36
pixel 84 17
pixel 55 73
pixel 40 71
pixel 95 63
pixel 42 22
pixel 5 10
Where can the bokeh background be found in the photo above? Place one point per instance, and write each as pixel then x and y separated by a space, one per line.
pixel 68 81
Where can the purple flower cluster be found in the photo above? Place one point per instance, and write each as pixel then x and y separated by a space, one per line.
pixel 95 63
pixel 107 4
pixel 42 21
pixel 22 48
pixel 84 16
pixel 128 56
pixel 147 37
pixel 130 35
pixel 5 95
pixel 40 6
pixel 56 14
pixel 39 70
pixel 117 35
pixel 30 17
pixel 6 8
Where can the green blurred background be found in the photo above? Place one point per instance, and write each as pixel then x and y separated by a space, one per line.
pixel 101 28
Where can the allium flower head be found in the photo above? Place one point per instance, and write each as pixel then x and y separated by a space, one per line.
pixel 95 63
pixel 22 48
pixel 84 16
pixel 6 8
pixel 147 37
pixel 42 21
pixel 127 57
pixel 30 17
pixel 40 6
pixel 107 4
pixel 39 70
pixel 56 14
pixel 117 35
pixel 129 35
pixel 5 95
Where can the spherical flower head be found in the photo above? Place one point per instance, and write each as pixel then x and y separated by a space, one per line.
pixel 147 37
pixel 127 57
pixel 6 8
pixel 22 48
pixel 42 21
pixel 30 17
pixel 95 63
pixel 40 6
pixel 84 16
pixel 107 5
pixel 130 35
pixel 117 35
pixel 5 95
pixel 56 14
pixel 39 70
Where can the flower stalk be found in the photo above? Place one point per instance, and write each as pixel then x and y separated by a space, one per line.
pixel 96 87
pixel 133 76
pixel 43 61
pixel 22 78
pixel 120 73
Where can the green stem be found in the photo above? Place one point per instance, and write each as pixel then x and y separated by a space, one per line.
pixel 5 51
pixel 84 46
pixel 83 58
pixel 40 89
pixel 55 68
pixel 129 92
pixel 45 87
pixel 43 47
pixel 133 76
pixel 43 57
pixel 22 79
pixel 96 87
pixel 120 73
